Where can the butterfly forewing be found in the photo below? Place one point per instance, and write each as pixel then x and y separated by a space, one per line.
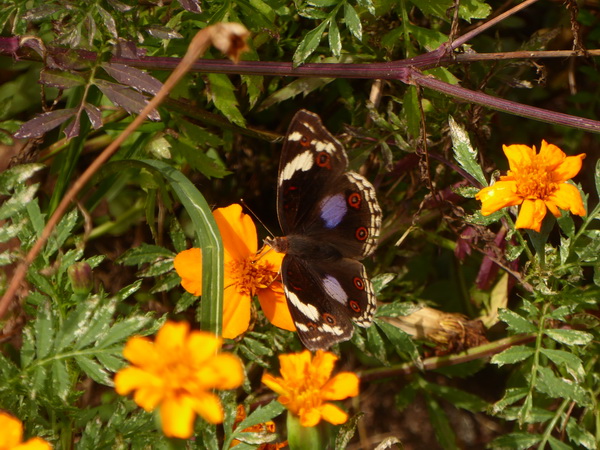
pixel 310 156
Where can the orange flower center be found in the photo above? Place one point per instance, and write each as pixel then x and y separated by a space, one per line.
pixel 180 377
pixel 250 276
pixel 303 395
pixel 534 181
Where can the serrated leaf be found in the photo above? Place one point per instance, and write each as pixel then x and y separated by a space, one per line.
pixel 44 331
pixel 113 363
pixel 60 79
pixel 100 323
pixel 335 42
pixel 569 360
pixel 124 329
pixel 260 415
pixel 192 6
pixel 441 425
pixel 62 232
pixel 61 384
pixel 515 322
pixel 143 254
pixel 94 114
pixel 8 232
pixel 93 370
pixel 411 111
pixel 464 153
pixel 555 387
pixel 42 123
pixel 128 290
pixel 437 8
pixel 15 177
pixel 555 444
pixel 570 337
pixel 473 9
pixel 400 340
pixel 580 435
pixel 38 380
pixel 128 99
pixel 512 355
pixel 375 344
pixel 222 93
pixel 597 177
pixel 352 21
pixel 108 21
pixel 131 76
pixel 397 309
pixel 347 431
pixel 516 441
pixel 511 396
pixel 76 324
pixel 309 44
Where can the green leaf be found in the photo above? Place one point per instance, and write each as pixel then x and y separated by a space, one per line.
pixel 15 176
pixel 473 9
pixel 335 42
pixel 61 384
pixel 570 337
pixel 569 360
pixel 309 44
pixel 516 441
pixel 100 323
pixel 596 177
pixel 511 396
pixel 513 355
pixel 579 435
pixel 411 111
pixel 207 234
pixel 400 340
pixel 515 322
pixel 555 444
pixel 464 153
pixel 437 8
pixel 222 93
pixel 44 331
pixel 145 253
pixel 93 370
pixel 347 431
pixel 18 202
pixel 352 21
pixel 441 426
pixel 62 232
pixel 458 397
pixel 126 328
pixel 375 344
pixel 555 387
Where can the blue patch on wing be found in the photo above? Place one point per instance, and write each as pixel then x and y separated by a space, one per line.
pixel 333 210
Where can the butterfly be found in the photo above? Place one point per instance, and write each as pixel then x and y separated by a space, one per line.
pixel 330 219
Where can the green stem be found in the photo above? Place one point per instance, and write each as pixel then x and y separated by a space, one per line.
pixel 552 423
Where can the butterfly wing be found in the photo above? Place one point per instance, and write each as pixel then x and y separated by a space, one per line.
pixel 324 299
pixel 310 157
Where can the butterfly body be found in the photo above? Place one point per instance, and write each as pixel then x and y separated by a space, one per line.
pixel 331 219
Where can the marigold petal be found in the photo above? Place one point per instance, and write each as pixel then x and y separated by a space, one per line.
pixel 223 371
pixel 149 397
pixel 569 167
pixel 131 378
pixel 310 417
pixel 201 346
pixel 33 444
pixel 237 230
pixel 333 414
pixel 500 195
pixel 188 265
pixel 518 155
pixel 531 215
pixel 322 365
pixel 171 337
pixel 177 417
pixel 208 406
pixel 568 197
pixel 550 156
pixel 276 384
pixel 12 430
pixel 140 351
pixel 294 366
pixel 552 207
pixel 274 305
pixel 343 385
pixel 236 313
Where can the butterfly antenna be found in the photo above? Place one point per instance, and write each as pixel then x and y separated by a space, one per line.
pixel 245 205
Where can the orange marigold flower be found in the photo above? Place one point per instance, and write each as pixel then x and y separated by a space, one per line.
pixel 177 372
pixel 263 428
pixel 11 436
pixel 305 387
pixel 246 274
pixel 536 182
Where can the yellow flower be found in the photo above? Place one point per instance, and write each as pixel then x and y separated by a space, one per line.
pixel 305 387
pixel 178 372
pixel 246 274
pixel 11 436
pixel 262 428
pixel 536 182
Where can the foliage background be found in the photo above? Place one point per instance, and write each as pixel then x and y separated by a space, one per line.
pixel 60 347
